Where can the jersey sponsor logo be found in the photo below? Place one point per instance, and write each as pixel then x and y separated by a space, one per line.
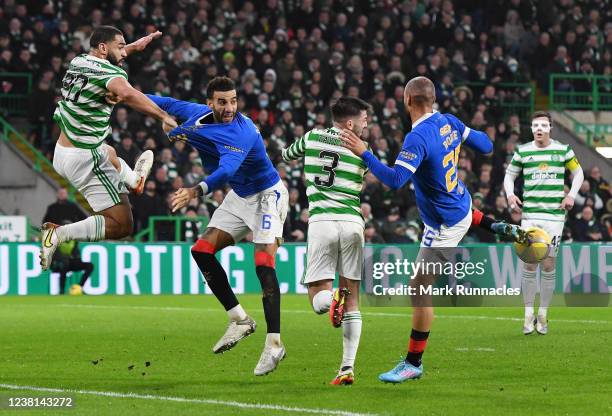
pixel 233 149
pixel 445 129
pixel 406 155
pixel 179 137
pixel 543 166
pixel 543 175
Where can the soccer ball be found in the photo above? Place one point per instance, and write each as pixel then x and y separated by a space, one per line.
pixel 75 290
pixel 538 247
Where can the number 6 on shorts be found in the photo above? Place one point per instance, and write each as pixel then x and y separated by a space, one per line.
pixel 265 222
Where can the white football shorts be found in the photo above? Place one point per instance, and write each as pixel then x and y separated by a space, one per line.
pixel 92 173
pixel 263 213
pixel 334 246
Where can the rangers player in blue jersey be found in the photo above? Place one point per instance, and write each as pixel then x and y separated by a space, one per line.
pixel 232 151
pixel 429 157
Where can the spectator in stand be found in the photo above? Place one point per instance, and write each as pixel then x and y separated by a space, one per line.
pixel 587 228
pixel 371 235
pixel 62 210
pixel 598 184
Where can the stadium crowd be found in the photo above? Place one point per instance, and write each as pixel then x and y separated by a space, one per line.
pixel 291 58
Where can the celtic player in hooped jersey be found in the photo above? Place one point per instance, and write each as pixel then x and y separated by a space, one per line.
pixel 93 83
pixel 543 163
pixel 334 178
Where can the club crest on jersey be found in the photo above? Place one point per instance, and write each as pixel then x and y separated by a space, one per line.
pixel 555 158
pixel 445 129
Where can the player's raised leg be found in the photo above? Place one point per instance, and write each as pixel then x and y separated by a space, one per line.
pixel 134 179
pixel 203 252
pixel 92 173
pixel 502 228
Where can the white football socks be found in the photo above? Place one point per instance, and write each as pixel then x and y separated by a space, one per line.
pixel 90 229
pixel 127 175
pixel 351 331
pixel 547 289
pixel 321 302
pixel 237 313
pixel 529 289
pixel 273 339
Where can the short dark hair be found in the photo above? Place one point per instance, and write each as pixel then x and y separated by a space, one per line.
pixel 539 114
pixel 348 107
pixel 219 84
pixel 103 34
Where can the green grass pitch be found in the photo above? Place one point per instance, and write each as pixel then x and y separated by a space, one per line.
pixel 477 361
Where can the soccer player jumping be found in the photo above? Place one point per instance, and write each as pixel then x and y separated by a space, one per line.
pixel 232 150
pixel 429 156
pixel 543 162
pixel 93 83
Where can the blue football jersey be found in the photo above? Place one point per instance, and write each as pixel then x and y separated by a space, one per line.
pixel 235 151
pixel 431 152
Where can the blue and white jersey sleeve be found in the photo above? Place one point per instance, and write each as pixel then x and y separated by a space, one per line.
pixel 474 139
pixel 413 152
pixel 407 162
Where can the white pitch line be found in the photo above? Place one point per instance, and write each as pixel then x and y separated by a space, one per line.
pixel 297 311
pixel 227 403
pixel 481 349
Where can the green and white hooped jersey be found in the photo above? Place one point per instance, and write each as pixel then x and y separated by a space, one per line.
pixel 83 113
pixel 544 174
pixel 334 175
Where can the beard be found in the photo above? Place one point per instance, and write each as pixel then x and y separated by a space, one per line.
pixel 357 130
pixel 112 60
pixel 219 116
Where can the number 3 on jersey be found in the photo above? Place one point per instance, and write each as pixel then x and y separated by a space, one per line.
pixel 331 175
pixel 451 160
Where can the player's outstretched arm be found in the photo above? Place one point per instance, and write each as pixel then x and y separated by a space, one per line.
pixel 477 140
pixel 139 102
pixel 394 177
pixel 183 110
pixel 140 44
pixel 296 151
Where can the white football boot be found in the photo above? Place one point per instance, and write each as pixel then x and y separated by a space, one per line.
pixel 236 330
pixel 542 325
pixel 49 242
pixel 142 168
pixel 270 357
pixel 529 325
